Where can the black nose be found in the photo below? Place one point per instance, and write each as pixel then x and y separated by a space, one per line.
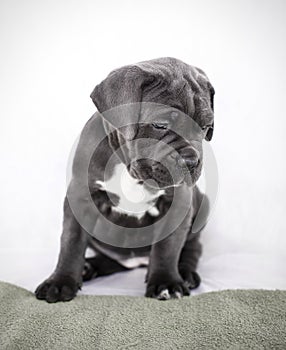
pixel 191 160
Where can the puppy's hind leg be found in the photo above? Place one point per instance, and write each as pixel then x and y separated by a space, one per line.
pixel 100 265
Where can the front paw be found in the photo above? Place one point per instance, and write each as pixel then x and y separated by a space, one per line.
pixel 57 288
pixel 164 288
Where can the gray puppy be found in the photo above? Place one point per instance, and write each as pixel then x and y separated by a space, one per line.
pixel 153 116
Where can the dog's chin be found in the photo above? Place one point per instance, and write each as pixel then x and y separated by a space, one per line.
pixel 162 185
pixel 189 178
pixel 154 181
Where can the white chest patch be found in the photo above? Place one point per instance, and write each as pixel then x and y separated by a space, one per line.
pixel 132 263
pixel 135 199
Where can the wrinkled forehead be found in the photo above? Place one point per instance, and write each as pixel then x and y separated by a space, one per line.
pixel 167 92
pixel 177 120
pixel 152 110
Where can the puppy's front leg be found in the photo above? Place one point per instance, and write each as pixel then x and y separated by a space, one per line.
pixel 64 283
pixel 163 279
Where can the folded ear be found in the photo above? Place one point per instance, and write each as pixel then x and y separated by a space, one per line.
pixel 209 134
pixel 203 98
pixel 118 99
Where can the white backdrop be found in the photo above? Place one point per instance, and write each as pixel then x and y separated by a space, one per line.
pixel 53 53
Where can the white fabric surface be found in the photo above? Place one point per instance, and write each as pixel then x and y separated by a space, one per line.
pixel 218 272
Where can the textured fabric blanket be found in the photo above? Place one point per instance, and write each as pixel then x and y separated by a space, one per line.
pixel 231 319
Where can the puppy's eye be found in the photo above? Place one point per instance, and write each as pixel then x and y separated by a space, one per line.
pixel 160 125
pixel 205 127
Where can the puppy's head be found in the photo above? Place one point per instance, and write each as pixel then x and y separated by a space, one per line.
pixel 167 107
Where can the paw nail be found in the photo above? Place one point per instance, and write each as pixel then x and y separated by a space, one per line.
pixel 164 295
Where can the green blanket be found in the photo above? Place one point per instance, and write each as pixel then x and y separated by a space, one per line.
pixel 231 319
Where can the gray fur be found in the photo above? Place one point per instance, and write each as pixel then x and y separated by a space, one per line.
pixel 173 260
